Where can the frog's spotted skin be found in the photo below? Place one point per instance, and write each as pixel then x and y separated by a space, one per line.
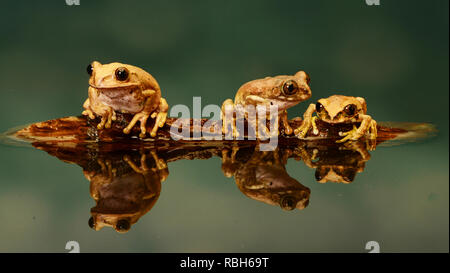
pixel 339 109
pixel 283 91
pixel 125 88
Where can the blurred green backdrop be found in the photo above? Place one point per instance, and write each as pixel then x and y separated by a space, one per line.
pixel 395 55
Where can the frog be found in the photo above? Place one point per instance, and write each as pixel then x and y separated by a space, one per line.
pixel 338 109
pixel 283 91
pixel 126 192
pixel 127 89
pixel 336 163
pixel 262 176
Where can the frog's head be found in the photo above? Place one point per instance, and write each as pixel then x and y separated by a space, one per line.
pixel 283 91
pixel 288 91
pixel 118 222
pixel 338 174
pixel 340 109
pixel 114 76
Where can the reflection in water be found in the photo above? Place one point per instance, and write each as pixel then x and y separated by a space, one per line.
pixel 125 178
pixel 124 191
pixel 262 176
pixel 339 163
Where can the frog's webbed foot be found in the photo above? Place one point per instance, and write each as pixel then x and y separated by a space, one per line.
pixel 107 116
pixel 161 117
pixel 159 122
pixel 367 125
pixel 349 135
pixel 142 118
pixel 308 122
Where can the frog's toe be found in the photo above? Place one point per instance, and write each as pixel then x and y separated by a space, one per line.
pixel 88 113
pixel 288 130
pixel 300 132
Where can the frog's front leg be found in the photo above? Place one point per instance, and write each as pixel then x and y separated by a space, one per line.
pixel 107 170
pixel 284 119
pixel 161 117
pixel 260 122
pixel 227 118
pixel 142 116
pixel 308 122
pixel 94 107
pixel 367 124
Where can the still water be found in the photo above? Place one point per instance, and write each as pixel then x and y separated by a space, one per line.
pixel 225 196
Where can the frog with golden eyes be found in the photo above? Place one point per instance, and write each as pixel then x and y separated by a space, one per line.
pixel 340 109
pixel 128 89
pixel 282 91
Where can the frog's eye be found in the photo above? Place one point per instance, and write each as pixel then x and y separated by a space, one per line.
pixel 91 222
pixel 89 69
pixel 290 88
pixel 122 74
pixel 350 109
pixel 319 107
pixel 123 225
pixel 308 79
pixel 288 202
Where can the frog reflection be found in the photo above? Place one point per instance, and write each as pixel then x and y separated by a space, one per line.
pixel 262 176
pixel 124 191
pixel 337 163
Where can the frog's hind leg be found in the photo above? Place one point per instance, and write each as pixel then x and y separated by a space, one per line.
pixel 87 111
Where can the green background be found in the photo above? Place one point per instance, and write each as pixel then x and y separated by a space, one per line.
pixel 395 55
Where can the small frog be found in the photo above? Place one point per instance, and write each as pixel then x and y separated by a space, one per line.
pixel 282 91
pixel 126 193
pixel 125 88
pixel 336 163
pixel 262 176
pixel 340 109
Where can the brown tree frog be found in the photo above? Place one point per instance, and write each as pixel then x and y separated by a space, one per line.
pixel 283 91
pixel 339 109
pixel 125 88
